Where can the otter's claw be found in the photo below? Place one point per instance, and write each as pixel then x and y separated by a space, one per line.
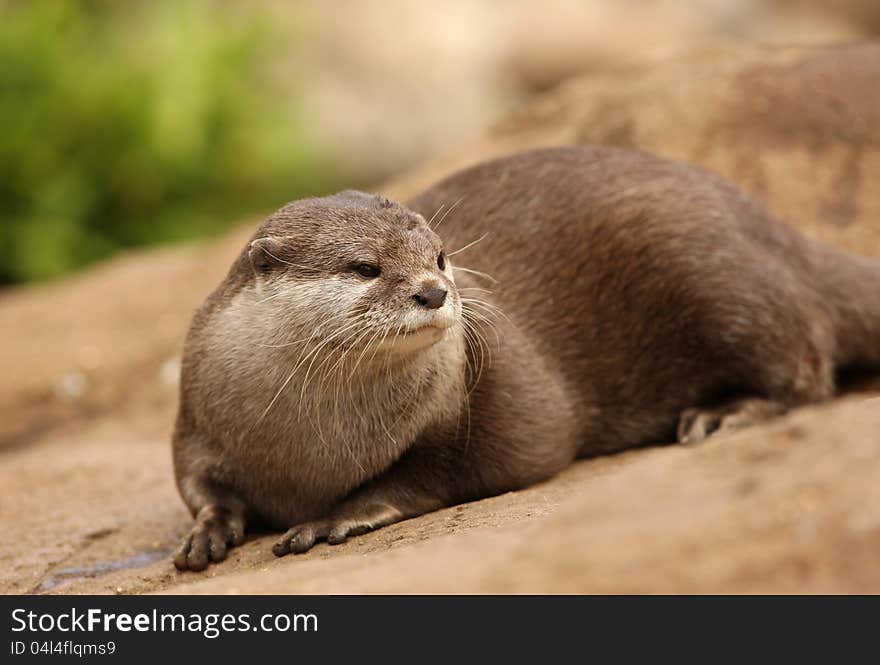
pixel 209 541
pixel 695 425
pixel 301 538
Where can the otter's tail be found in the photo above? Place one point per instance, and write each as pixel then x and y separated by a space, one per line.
pixel 850 285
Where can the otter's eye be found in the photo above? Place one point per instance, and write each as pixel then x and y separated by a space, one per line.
pixel 441 261
pixel 366 270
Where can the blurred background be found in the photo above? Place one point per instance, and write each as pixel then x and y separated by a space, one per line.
pixel 142 122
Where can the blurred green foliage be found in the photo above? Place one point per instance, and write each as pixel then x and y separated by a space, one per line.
pixel 127 123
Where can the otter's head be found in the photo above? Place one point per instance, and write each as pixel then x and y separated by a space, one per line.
pixel 352 271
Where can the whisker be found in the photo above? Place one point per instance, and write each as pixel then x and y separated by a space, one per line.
pixel 303 358
pixel 286 344
pixel 289 377
pixel 448 210
pixel 489 323
pixel 353 324
pixel 487 307
pixel 476 272
pixel 469 245
pixel 442 205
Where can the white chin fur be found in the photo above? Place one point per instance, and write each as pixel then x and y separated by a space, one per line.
pixel 415 341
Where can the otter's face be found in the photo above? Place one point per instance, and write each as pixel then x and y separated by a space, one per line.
pixel 355 271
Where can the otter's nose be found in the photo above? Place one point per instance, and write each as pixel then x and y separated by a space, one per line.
pixel 431 298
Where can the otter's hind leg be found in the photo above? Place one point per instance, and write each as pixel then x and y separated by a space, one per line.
pixel 695 425
pixel 782 389
pixel 782 360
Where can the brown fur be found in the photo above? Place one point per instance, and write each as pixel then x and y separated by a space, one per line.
pixel 636 296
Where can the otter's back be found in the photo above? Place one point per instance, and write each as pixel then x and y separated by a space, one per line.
pixel 619 266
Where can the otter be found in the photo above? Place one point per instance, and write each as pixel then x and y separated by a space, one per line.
pixel 366 361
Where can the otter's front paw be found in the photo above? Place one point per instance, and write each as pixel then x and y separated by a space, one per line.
pixel 301 538
pixel 214 533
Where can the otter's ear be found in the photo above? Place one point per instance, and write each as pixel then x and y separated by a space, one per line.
pixel 268 253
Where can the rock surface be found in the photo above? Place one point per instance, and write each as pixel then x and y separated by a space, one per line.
pixel 89 365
